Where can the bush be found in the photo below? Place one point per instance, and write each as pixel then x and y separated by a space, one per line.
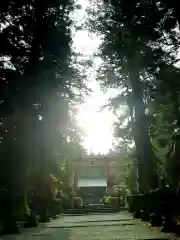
pixel 106 200
pixel 77 202
pixel 113 200
pixel 66 202
pixel 110 200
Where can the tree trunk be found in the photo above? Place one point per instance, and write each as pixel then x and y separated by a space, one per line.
pixel 146 158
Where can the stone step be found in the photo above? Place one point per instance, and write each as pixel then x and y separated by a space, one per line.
pixel 91 210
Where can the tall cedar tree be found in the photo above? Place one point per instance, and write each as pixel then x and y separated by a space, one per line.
pixel 35 55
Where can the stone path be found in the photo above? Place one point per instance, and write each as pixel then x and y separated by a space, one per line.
pixel 93 227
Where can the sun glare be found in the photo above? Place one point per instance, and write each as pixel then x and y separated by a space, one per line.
pixel 98 127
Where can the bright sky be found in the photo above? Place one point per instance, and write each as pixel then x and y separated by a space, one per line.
pixel 98 126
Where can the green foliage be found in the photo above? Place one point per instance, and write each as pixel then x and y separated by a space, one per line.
pixel 110 192
pixel 36 37
pixel 162 127
pixel 172 165
pixel 139 49
pixel 77 201
pixel 37 80
pixel 110 200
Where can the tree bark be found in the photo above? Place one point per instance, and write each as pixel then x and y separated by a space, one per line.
pixel 146 158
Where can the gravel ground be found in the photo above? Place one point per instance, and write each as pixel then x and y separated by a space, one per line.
pixel 93 227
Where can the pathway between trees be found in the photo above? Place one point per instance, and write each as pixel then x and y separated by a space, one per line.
pixel 93 227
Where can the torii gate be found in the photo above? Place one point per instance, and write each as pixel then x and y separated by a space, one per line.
pixel 92 161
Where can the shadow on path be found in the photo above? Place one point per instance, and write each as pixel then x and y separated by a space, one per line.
pixel 42 232
pixel 99 225
pixel 105 220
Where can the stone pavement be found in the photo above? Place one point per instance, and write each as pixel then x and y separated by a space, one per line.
pixel 93 227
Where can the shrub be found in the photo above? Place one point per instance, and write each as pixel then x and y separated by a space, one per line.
pixel 77 202
pixel 66 202
pixel 113 200
pixel 110 200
